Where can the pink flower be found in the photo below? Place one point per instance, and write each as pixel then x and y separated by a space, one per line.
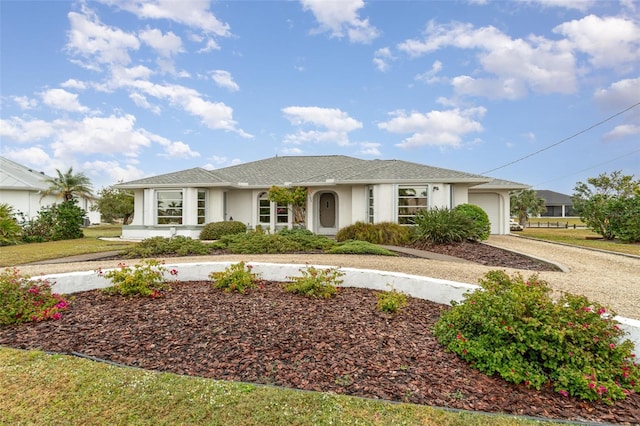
pixel 601 311
pixel 174 272
pixel 56 316
pixel 592 385
pixel 611 345
pixel 563 392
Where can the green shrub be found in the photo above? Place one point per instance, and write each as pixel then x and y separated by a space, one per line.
pixel 160 246
pixel 256 243
pixel 360 247
pixel 235 278
pixel 391 301
pixel 315 283
pixel 376 233
pixel 216 230
pixel 513 328
pixel 144 279
pixel 25 300
pixel 481 225
pixel 442 226
pixel 308 240
pixel 56 222
pixel 10 231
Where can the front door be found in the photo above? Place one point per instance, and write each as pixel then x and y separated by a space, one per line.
pixel 327 220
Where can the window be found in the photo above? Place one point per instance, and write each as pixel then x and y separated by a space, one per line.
pixel 282 213
pixel 370 213
pixel 202 207
pixel 411 199
pixel 264 208
pixel 169 207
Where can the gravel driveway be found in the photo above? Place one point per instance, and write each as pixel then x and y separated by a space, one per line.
pixel 610 279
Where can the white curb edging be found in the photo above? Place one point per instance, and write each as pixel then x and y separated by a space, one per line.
pixel 434 289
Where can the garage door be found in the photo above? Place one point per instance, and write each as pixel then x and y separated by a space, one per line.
pixel 490 203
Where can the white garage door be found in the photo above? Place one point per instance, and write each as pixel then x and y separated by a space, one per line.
pixel 490 203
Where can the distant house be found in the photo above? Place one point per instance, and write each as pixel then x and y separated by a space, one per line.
pixel 21 187
pixel 558 205
pixel 342 190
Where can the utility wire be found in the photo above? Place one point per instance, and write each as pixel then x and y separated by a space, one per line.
pixel 588 168
pixel 564 140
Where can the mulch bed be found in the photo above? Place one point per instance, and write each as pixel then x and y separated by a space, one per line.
pixel 343 345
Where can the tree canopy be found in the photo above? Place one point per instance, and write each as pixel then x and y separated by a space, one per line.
pixel 113 203
pixel 69 185
pixel 526 203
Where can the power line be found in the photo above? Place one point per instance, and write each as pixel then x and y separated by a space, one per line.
pixel 588 168
pixel 565 139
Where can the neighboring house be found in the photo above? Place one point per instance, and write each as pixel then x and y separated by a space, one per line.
pixel 342 190
pixel 21 187
pixel 558 205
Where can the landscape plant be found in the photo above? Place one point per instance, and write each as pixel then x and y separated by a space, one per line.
pixel 315 282
pixel 296 197
pixel 114 204
pixel 25 300
pixel 525 203
pixel 610 205
pixel 10 231
pixel 307 240
pixel 216 230
pixel 481 228
pixel 391 301
pixel 161 246
pixel 260 243
pixel 235 278
pixel 360 247
pixel 388 233
pixel 512 327
pixel 146 279
pixel 62 221
pixel 441 226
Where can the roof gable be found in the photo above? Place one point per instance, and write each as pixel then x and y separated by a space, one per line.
pixel 18 177
pixel 552 197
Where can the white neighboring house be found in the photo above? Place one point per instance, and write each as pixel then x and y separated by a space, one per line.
pixel 21 187
pixel 342 190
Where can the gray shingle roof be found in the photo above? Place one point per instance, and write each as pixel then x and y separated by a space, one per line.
pixel 313 170
pixel 501 184
pixel 554 198
pixel 17 177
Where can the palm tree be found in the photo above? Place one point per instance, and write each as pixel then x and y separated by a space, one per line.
pixel 526 203
pixel 69 185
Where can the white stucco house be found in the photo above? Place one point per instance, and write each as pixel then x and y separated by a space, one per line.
pixel 21 187
pixel 342 190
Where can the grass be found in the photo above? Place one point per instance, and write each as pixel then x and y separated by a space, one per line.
pixel 41 389
pixel 578 237
pixel 26 253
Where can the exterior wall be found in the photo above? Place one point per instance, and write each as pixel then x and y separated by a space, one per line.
pixel 384 201
pixel 358 204
pixel 498 215
pixel 459 194
pixel 29 203
pixel 242 206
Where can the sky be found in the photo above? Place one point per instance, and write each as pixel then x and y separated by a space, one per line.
pixel 540 92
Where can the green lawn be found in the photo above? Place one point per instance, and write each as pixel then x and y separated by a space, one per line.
pixel 579 237
pixel 26 253
pixel 41 389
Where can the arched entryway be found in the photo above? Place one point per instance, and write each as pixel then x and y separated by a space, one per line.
pixel 326 205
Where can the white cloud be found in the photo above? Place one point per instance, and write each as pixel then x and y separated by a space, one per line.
pixel 581 5
pixel 291 151
pixel 25 102
pixel 370 148
pixel 219 162
pixel 610 42
pixel 17 129
pixel 33 155
pixel 620 94
pixel 622 131
pixel 167 45
pixel 141 101
pixel 334 125
pixel 431 76
pixel 224 79
pixel 195 13
pixel 63 100
pixel 98 43
pixel 381 59
pixel 516 65
pixel 113 169
pixel 179 149
pixel 435 128
pixel 340 18
pixel 74 84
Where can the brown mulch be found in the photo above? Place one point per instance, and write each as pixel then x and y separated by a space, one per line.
pixel 343 345
pixel 487 255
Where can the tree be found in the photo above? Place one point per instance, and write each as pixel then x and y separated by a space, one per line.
pixel 609 205
pixel 295 197
pixel 113 203
pixel 526 203
pixel 69 185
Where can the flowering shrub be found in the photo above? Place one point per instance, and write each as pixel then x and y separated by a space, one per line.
pixel 513 328
pixel 144 279
pixel 235 278
pixel 391 301
pixel 24 300
pixel 315 282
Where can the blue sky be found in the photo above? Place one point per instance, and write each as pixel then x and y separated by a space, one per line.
pixel 123 89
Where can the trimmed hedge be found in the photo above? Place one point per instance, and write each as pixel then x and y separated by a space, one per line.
pixel 216 230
